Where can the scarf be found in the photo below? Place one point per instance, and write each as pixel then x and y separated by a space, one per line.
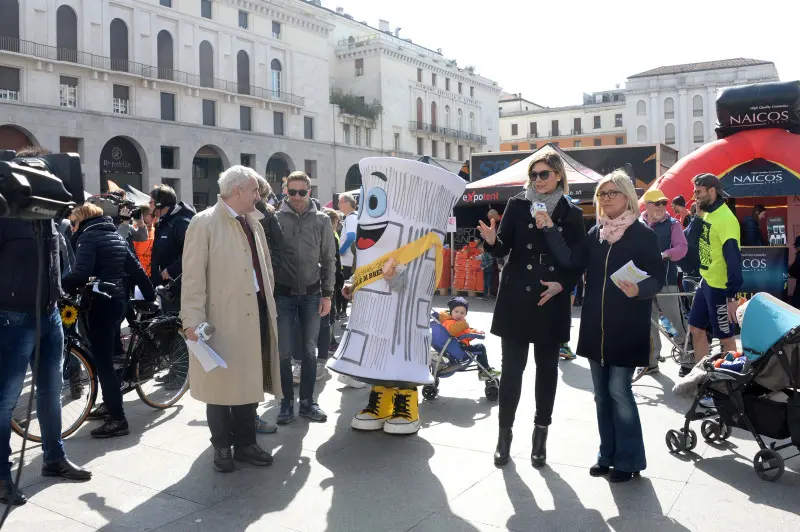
pixel 550 200
pixel 612 230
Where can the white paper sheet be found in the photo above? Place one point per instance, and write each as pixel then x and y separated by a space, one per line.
pixel 207 357
pixel 629 272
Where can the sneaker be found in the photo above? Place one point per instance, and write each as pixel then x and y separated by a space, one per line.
pixel 488 375
pixel 253 455
pixel 286 415
pixel 111 428
pixel 101 412
pixel 707 402
pixel 223 460
pixel 566 353
pixel 684 371
pixel 6 490
pixel 296 369
pixel 322 371
pixel 350 382
pixel 405 417
pixel 312 411
pixel 265 427
pixel 379 409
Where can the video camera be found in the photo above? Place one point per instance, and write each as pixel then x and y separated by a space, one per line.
pixel 46 187
pixel 115 205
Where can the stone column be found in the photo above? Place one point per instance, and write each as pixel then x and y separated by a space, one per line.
pixel 657 133
pixel 711 114
pixel 683 123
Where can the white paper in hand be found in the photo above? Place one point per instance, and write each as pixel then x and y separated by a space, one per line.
pixel 629 272
pixel 207 357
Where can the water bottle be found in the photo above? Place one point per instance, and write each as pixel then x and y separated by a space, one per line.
pixel 668 326
pixel 204 331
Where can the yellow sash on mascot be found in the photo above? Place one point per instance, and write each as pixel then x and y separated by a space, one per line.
pixel 374 270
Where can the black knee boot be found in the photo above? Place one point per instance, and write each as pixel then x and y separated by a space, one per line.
pixel 503 447
pixel 539 452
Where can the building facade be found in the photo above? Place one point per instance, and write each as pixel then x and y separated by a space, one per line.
pixel 675 105
pixel 599 121
pixel 173 91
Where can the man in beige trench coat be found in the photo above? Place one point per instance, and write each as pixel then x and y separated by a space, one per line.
pixel 228 283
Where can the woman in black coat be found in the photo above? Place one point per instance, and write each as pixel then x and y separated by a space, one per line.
pixel 615 319
pixel 533 300
pixel 102 253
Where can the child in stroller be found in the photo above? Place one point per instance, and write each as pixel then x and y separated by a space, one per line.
pixel 451 341
pixel 760 396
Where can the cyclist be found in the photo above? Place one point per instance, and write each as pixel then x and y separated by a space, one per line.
pixel 102 253
pixel 720 267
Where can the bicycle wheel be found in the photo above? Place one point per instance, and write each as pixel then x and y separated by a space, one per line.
pixel 78 394
pixel 161 370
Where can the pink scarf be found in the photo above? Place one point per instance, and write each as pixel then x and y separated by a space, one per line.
pixel 612 230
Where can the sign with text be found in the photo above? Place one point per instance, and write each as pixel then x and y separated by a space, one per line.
pixel 765 269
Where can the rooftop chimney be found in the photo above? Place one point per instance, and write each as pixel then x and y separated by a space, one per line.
pixel 383 25
pixel 340 11
pixel 397 31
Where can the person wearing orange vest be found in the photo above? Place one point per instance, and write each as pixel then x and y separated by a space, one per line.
pixel 143 238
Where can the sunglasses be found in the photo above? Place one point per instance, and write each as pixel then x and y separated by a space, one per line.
pixel 73 223
pixel 544 175
pixel 661 203
pixel 302 193
pixel 609 194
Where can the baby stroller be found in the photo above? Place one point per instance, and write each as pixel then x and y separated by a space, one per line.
pixel 451 355
pixel 763 397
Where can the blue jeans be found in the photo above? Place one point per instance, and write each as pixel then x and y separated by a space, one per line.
pixel 298 333
pixel 17 344
pixel 621 442
pixel 488 276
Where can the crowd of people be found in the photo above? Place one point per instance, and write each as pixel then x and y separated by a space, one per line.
pixel 272 276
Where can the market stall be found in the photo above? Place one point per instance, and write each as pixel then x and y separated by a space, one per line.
pixel 757 159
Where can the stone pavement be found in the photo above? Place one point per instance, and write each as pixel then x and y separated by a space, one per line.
pixel 328 477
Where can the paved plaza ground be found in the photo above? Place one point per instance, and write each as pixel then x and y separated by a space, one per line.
pixel 327 477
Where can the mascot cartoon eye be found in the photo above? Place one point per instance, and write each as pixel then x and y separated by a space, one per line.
pixel 376 202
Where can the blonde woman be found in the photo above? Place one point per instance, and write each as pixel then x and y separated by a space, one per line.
pixel 615 319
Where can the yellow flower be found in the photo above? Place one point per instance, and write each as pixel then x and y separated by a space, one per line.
pixel 69 315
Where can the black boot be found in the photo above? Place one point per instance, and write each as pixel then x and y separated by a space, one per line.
pixel 539 451
pixel 503 447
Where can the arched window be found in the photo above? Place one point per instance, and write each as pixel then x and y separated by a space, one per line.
pixel 669 109
pixel 641 134
pixel 119 45
pixel 420 114
pixel 669 134
pixel 276 69
pixel 697 133
pixel 697 106
pixel 166 60
pixel 447 116
pixel 641 108
pixel 433 116
pixel 206 64
pixel 9 25
pixel 472 122
pixel 243 72
pixel 460 119
pixel 67 34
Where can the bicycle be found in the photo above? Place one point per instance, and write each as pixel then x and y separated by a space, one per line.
pixel 155 363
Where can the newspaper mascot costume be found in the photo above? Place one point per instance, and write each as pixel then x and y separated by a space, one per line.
pixel 402 221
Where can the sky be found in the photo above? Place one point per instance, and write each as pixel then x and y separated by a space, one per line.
pixel 553 52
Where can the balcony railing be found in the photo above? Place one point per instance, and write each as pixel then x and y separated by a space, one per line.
pixel 415 125
pixel 51 53
pixel 8 94
pixel 121 106
pixel 68 95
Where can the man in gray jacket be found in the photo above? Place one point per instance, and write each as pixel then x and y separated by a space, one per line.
pixel 304 283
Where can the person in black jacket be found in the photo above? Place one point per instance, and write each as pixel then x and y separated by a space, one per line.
pixel 751 227
pixel 615 319
pixel 19 253
pixel 794 271
pixel 533 300
pixel 173 220
pixel 102 253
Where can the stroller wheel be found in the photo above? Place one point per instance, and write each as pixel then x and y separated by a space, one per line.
pixel 492 391
pixel 690 441
pixel 676 442
pixel 711 431
pixel 768 465
pixel 724 431
pixel 429 392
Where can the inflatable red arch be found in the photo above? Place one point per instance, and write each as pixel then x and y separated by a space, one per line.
pixel 771 148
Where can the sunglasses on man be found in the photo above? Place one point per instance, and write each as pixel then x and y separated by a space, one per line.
pixel 661 203
pixel 544 175
pixel 302 193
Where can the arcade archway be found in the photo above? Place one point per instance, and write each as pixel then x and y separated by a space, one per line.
pixel 121 161
pixel 15 137
pixel 352 180
pixel 279 166
pixel 208 163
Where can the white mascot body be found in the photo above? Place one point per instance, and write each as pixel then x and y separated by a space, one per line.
pixel 403 212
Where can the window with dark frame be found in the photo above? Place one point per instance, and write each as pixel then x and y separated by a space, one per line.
pixel 447 84
pixel 514 129
pixel 597 122
pixel 598 142
pixel 243 16
pixel 276 30
pixel 554 128
pixel 359 67
pixel 209 113
pixel 167 106
pixel 169 158
pixel 514 147
pixel 397 142
pixel 448 151
pixel 434 148
pixel 460 153
pixel 534 129
pixel 618 120
pixel 308 127
pixel 166 3
pixel 433 79
pixel 277 118
pixel 245 118
pixel 9 83
pixel 247 159
pixel 472 92
pixel 576 126
pixel 619 141
pixel 533 145
pixel 420 146
pixel 460 91
pixel 205 8
pixel 419 75
pixel 121 99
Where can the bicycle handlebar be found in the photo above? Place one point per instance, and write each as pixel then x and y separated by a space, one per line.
pixel 100 288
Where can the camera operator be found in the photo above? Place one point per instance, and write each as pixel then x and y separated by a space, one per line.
pixel 18 286
pixel 102 253
pixel 173 220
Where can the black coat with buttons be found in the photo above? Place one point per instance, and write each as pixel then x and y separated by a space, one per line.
pixel 517 314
